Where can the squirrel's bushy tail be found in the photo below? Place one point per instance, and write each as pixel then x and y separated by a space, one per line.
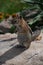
pixel 35 34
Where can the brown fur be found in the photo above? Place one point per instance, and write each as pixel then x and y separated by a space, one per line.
pixel 24 25
pixel 25 35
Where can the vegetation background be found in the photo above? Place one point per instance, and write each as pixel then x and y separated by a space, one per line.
pixel 9 7
pixel 12 6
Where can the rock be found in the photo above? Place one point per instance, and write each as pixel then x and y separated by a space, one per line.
pixel 5 26
pixel 7 36
pixel 10 54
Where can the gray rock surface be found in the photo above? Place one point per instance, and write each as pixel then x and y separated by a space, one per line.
pixel 5 26
pixel 12 55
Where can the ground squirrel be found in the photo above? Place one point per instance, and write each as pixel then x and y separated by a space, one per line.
pixel 25 34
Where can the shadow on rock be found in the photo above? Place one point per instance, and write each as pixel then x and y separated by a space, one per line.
pixel 13 52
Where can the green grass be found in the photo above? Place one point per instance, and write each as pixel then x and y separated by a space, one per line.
pixel 12 6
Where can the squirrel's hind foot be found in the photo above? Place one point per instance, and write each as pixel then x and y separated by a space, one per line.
pixel 20 46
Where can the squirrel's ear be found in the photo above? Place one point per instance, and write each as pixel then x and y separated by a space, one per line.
pixel 14 15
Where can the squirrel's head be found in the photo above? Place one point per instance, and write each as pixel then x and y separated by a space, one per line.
pixel 16 19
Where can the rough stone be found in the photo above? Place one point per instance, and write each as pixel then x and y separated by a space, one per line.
pixel 10 54
pixel 5 26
